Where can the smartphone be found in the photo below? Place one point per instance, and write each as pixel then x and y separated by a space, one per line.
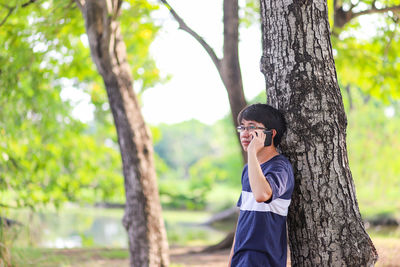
pixel 268 137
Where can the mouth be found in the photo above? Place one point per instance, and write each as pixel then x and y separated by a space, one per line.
pixel 245 142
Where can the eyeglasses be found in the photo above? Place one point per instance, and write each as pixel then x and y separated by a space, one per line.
pixel 250 128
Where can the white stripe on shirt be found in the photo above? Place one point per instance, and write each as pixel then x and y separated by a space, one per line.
pixel 278 206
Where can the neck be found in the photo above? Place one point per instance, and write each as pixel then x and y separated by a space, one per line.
pixel 266 154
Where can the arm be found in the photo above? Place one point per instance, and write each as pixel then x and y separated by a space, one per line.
pixel 231 254
pixel 233 247
pixel 260 187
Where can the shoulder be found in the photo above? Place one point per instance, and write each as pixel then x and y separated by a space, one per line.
pixel 279 161
pixel 279 165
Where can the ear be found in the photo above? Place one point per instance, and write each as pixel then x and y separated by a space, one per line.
pixel 274 132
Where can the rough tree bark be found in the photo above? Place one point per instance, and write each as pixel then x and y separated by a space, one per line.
pixel 142 219
pixel 325 226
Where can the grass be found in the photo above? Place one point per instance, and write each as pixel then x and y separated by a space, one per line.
pixel 25 257
pixel 65 257
pixel 183 230
pixel 388 249
pixel 387 232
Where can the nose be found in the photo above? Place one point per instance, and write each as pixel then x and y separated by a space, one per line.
pixel 245 133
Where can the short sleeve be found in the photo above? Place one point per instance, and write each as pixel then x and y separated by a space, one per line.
pixel 244 171
pixel 239 203
pixel 278 179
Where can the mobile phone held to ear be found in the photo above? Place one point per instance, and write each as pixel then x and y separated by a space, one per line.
pixel 268 137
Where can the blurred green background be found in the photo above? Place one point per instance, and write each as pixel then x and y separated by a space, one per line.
pixel 55 167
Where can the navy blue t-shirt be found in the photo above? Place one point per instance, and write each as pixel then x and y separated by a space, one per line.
pixel 261 231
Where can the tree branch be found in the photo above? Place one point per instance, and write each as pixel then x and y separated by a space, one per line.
pixel 80 3
pixel 11 9
pixel 352 6
pixel 28 3
pixel 183 26
pixel 374 10
pixel 7 206
pixel 373 4
pixel 343 17
pixel 392 35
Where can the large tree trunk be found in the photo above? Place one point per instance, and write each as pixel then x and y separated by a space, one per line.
pixel 325 226
pixel 142 219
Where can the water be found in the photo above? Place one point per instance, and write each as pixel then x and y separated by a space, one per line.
pixel 75 227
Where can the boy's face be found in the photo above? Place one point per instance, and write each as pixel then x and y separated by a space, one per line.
pixel 245 136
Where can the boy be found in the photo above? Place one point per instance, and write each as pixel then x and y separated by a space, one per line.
pixel 267 186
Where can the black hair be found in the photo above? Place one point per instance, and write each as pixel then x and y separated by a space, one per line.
pixel 269 116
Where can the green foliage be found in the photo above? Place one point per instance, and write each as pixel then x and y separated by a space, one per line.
pixel 373 147
pixel 366 56
pixel 47 156
pixel 34 120
pixel 223 196
pixel 183 194
pixel 139 31
pixel 183 228
pixel 370 63
pixel 260 98
pixel 249 12
pixel 5 254
pixel 192 157
pixel 367 60
pixel 61 257
pixel 182 144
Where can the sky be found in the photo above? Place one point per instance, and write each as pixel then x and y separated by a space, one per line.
pixel 196 90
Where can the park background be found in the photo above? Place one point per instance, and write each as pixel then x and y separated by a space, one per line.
pixel 56 127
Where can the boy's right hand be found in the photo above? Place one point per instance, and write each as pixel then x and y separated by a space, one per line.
pixel 257 142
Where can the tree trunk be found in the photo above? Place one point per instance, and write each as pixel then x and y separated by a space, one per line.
pixel 228 67
pixel 325 226
pixel 349 95
pixel 142 219
pixel 230 72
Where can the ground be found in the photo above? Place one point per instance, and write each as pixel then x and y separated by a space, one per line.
pixel 388 249
pixel 192 257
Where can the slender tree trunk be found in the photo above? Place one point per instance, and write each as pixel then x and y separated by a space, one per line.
pixel 349 95
pixel 228 67
pixel 229 71
pixel 325 226
pixel 142 219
